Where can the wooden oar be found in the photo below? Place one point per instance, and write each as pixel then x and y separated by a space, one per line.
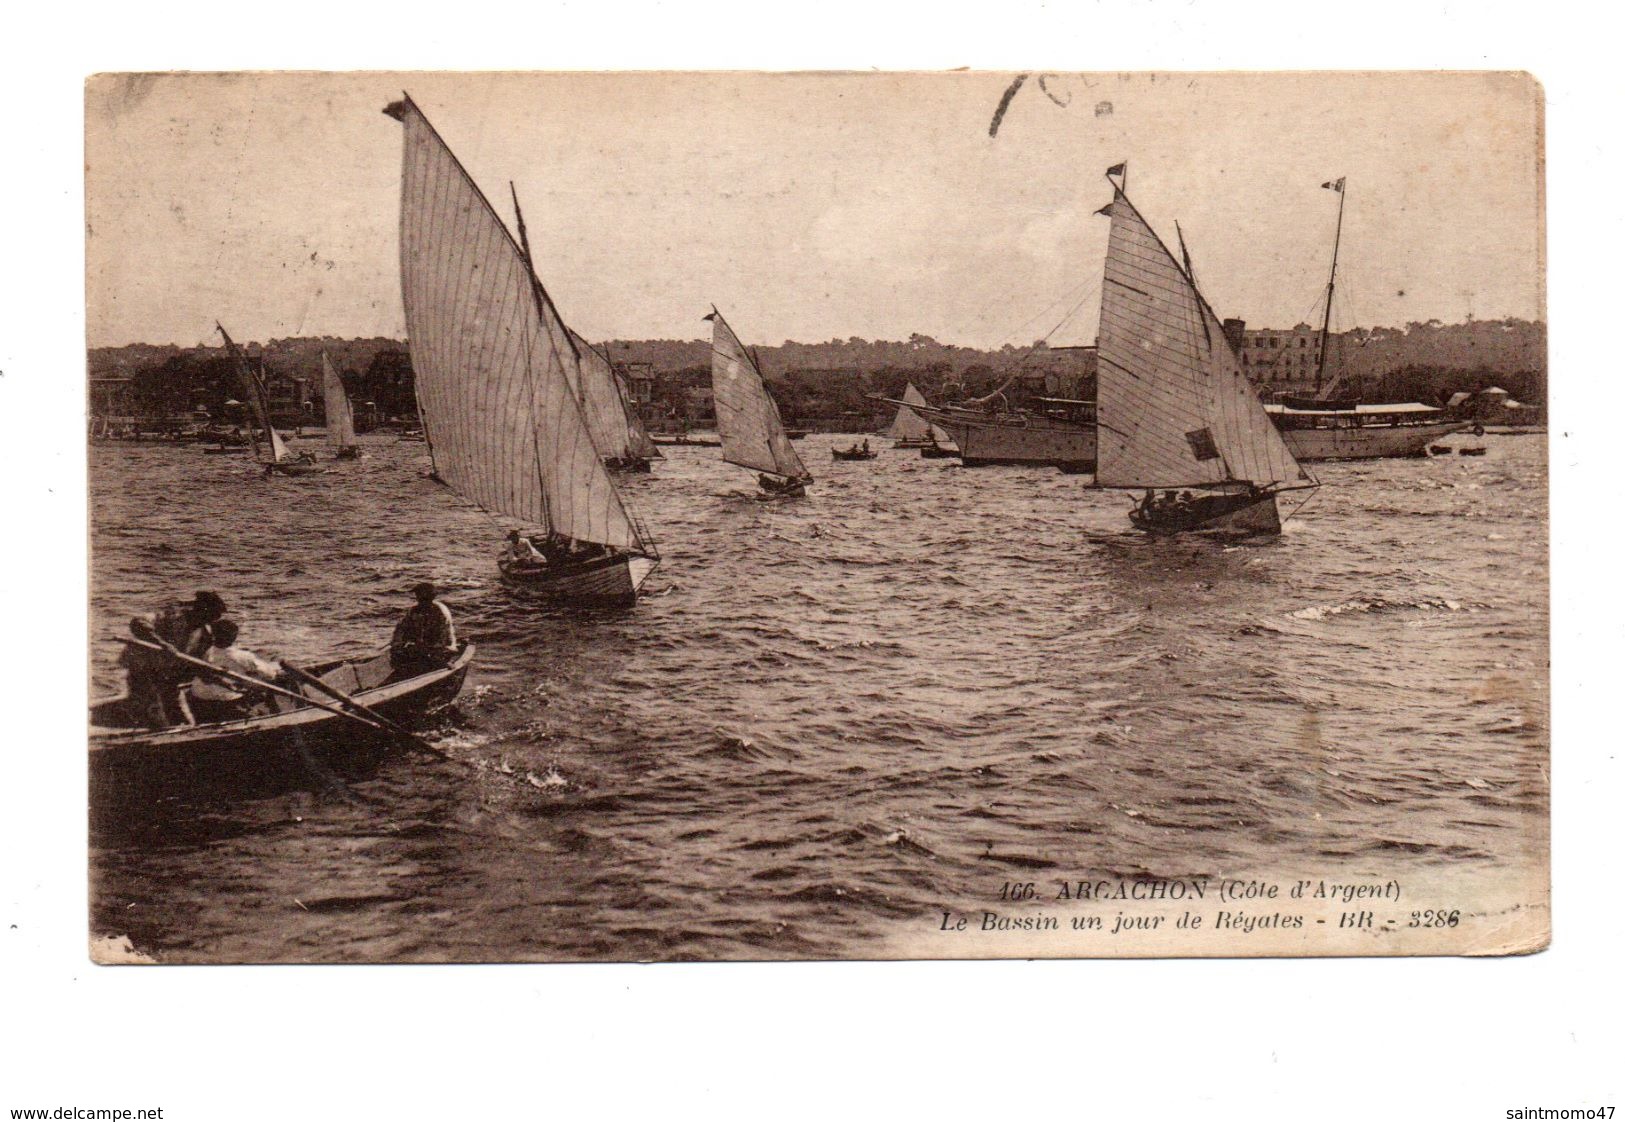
pixel 352 704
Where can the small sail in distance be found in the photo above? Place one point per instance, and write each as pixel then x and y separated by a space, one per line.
pixel 748 421
pixel 909 427
pixel 340 422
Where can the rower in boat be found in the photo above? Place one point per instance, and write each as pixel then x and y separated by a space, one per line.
pixel 154 679
pixel 215 699
pixel 426 637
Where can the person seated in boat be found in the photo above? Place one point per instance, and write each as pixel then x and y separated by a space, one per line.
pixel 1186 498
pixel 1148 501
pixel 426 637
pixel 154 678
pixel 522 551
pixel 865 446
pixel 223 699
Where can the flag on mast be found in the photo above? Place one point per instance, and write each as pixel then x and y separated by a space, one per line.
pixel 1337 186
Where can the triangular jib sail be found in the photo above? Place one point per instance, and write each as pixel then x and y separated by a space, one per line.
pixel 601 403
pixel 748 421
pixel 1175 409
pixel 492 361
pixel 340 423
pixel 909 425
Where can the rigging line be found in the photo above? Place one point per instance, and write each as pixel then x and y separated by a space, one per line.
pixel 1045 339
pixel 1061 299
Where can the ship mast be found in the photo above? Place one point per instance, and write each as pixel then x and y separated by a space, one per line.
pixel 1331 285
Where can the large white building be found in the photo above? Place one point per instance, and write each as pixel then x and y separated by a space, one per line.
pixel 1279 361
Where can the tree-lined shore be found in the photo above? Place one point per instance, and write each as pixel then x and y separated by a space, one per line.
pixel 1419 362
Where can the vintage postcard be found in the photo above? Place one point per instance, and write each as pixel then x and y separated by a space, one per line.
pixel 739 516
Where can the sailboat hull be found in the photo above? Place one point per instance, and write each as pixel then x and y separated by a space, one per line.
pixel 1369 442
pixel 1223 515
pixel 603 582
pixel 774 489
pixel 295 468
pixel 1022 439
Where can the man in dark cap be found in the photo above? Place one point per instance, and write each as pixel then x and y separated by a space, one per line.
pixel 426 638
pixel 154 678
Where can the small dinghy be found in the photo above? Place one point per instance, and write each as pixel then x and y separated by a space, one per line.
pixel 856 452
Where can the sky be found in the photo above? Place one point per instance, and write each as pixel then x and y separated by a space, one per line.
pixel 816 206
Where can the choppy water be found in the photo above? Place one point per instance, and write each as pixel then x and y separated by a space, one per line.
pixel 831 717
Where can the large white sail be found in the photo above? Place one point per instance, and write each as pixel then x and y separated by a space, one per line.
pixel 491 359
pixel 340 423
pixel 748 422
pixel 1175 409
pixel 909 425
pixel 601 402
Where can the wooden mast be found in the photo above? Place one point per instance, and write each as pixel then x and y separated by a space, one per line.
pixel 1331 285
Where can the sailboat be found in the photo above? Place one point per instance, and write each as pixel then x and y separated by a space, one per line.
pixel 1323 427
pixel 748 421
pixel 282 460
pixel 340 422
pixel 909 429
pixel 616 428
pixel 495 374
pixel 1176 414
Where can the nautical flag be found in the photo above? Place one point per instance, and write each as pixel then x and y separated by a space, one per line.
pixel 1338 186
pixel 1117 169
pixel 708 318
pixel 1106 210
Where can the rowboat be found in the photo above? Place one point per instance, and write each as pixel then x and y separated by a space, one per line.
pixel 853 453
pixel 123 755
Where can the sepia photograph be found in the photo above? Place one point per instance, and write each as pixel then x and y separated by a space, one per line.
pixel 626 517
pixel 893 561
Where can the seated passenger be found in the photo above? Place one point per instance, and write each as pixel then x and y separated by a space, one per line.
pixel 521 551
pixel 223 699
